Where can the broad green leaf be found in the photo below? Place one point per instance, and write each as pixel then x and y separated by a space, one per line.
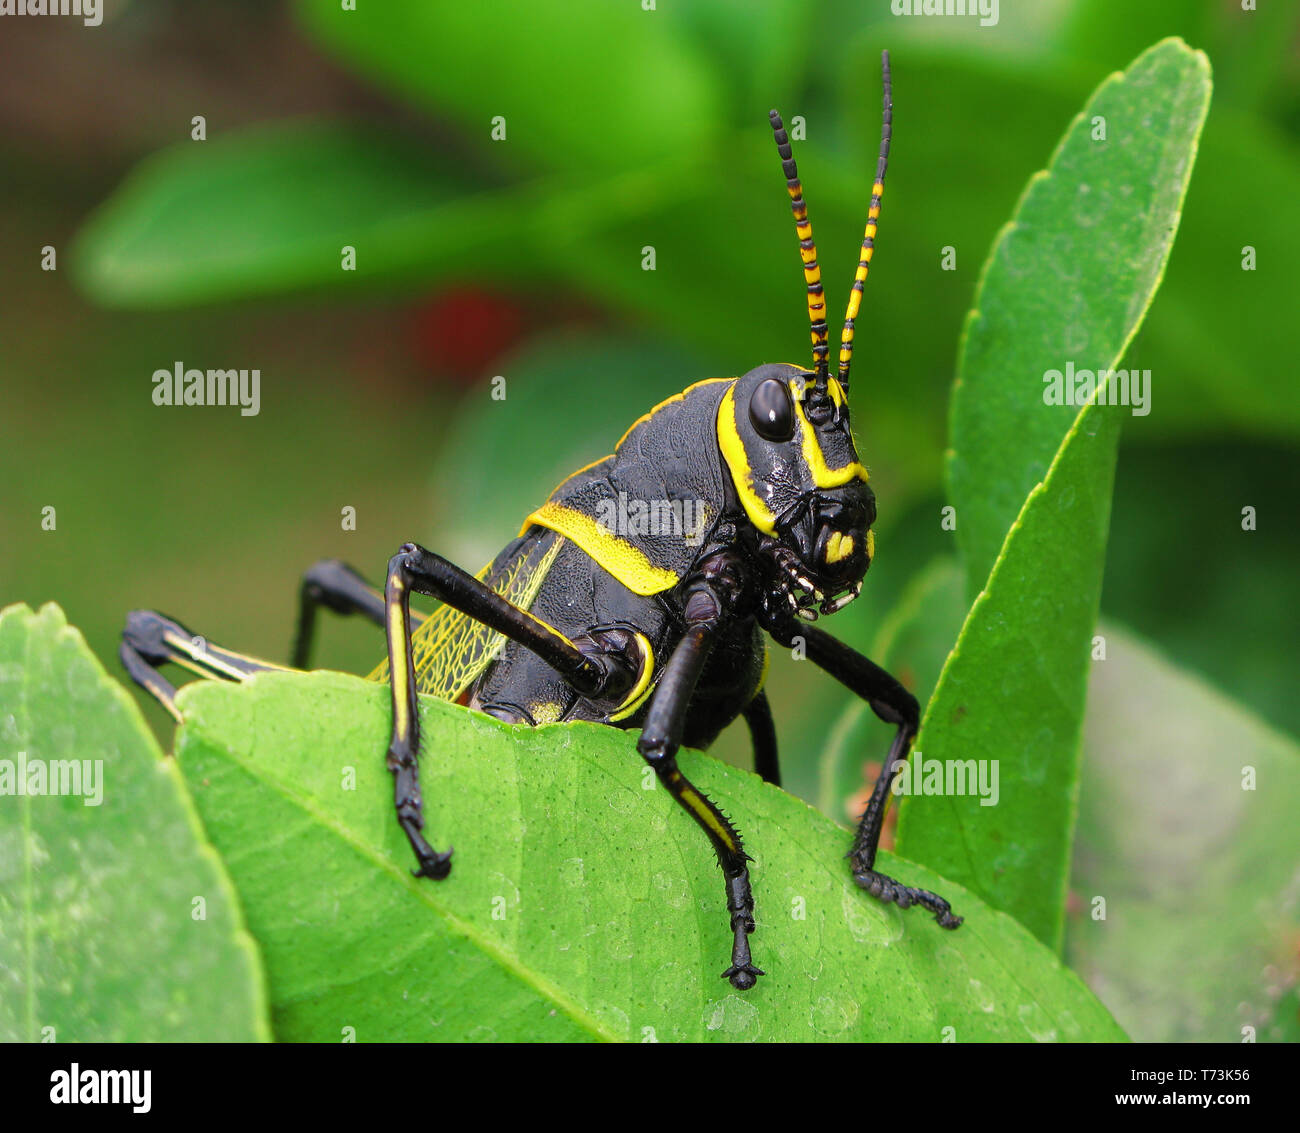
pixel 1187 831
pixel 271 209
pixel 117 921
pixel 1012 693
pixel 582 905
pixel 1068 284
pixel 560 80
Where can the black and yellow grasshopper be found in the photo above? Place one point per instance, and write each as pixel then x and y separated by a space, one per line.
pixel 659 629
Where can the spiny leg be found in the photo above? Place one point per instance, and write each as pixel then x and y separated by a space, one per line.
pixel 895 705
pixel 414 568
pixel 660 739
pixel 337 587
pixel 150 640
pixel 762 734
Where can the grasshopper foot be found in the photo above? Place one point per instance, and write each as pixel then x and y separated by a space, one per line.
pixel 904 896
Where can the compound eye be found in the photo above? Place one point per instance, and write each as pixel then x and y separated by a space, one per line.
pixel 771 410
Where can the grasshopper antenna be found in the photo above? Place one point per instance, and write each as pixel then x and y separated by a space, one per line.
pixel 873 215
pixel 812 272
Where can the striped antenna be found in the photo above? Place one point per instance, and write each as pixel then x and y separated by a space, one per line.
pixel 869 240
pixel 812 273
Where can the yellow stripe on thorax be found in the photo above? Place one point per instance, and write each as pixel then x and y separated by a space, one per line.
pixel 624 561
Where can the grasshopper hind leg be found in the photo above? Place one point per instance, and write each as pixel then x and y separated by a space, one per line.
pixel 151 640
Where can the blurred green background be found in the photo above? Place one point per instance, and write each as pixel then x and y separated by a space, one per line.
pixel 522 257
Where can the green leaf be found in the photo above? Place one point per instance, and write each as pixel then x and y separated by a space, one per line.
pixel 1012 693
pixel 99 938
pixel 563 80
pixel 270 209
pixel 1187 829
pixel 582 905
pixel 1069 282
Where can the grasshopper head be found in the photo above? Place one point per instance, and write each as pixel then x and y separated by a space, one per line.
pixel 789 448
